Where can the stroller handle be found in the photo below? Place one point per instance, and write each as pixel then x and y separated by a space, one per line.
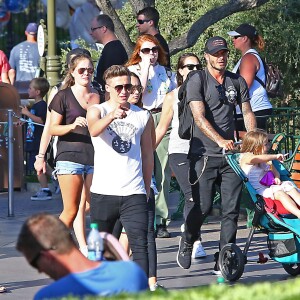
pixel 235 150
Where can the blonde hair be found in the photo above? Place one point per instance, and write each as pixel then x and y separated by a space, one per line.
pixel 254 141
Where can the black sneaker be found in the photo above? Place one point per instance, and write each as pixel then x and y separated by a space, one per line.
pixel 42 195
pixel 184 254
pixel 162 232
pixel 216 270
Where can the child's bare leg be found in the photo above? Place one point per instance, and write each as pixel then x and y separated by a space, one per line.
pixel 288 203
pixel 295 195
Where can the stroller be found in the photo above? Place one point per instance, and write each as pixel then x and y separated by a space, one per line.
pixel 271 218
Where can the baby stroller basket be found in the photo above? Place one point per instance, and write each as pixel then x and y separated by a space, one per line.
pixel 283 231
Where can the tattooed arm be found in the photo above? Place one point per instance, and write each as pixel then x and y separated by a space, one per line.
pixel 249 117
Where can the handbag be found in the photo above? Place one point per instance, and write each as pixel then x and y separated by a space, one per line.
pixel 268 179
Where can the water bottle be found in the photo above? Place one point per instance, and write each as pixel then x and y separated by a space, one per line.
pixel 95 244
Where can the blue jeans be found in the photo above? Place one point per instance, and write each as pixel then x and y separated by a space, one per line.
pixel 71 168
pixel 133 214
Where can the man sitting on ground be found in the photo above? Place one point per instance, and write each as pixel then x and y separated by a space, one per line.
pixel 48 246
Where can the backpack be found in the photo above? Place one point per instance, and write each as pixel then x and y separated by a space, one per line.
pixel 185 116
pixel 273 84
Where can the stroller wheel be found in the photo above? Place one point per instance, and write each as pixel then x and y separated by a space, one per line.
pixel 231 262
pixel 292 269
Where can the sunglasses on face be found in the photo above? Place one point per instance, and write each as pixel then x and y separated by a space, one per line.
pixel 192 67
pixel 119 88
pixel 35 259
pixel 148 50
pixel 95 28
pixel 237 36
pixel 136 88
pixel 142 21
pixel 90 71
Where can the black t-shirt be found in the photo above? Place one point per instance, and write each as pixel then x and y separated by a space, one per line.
pixel 75 146
pixel 218 108
pixel 113 53
pixel 164 44
pixel 38 109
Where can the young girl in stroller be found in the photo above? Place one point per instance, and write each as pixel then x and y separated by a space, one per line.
pixel 256 163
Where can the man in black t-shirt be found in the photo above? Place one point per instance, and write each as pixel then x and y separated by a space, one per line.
pixel 213 112
pixel 147 23
pixel 113 53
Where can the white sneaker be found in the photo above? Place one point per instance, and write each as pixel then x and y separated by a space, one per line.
pixel 182 228
pixel 198 250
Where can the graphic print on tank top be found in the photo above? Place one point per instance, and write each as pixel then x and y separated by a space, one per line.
pixel 122 134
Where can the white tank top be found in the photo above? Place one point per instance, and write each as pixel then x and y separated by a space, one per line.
pixel 259 98
pixel 176 144
pixel 117 159
pixel 158 85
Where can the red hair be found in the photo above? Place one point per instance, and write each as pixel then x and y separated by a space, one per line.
pixel 135 57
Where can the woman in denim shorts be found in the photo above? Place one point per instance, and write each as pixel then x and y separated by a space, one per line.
pixel 75 153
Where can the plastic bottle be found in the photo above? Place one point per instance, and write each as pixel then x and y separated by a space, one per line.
pixel 95 243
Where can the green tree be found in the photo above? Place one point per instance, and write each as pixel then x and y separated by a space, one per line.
pixel 186 25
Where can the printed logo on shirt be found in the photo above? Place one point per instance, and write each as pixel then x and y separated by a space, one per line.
pixel 122 133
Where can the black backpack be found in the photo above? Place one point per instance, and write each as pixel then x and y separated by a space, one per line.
pixel 185 116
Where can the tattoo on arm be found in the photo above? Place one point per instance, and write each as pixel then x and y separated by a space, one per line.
pixel 198 111
pixel 249 117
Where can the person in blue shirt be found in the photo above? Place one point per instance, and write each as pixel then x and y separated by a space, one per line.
pixel 48 246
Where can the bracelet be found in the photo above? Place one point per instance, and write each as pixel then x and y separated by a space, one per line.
pixel 42 154
pixel 38 156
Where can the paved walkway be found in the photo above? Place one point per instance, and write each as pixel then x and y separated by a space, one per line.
pixel 22 281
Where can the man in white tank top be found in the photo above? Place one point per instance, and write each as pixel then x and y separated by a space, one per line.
pixel 123 163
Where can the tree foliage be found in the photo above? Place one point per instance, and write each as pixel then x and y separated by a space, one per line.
pixel 186 25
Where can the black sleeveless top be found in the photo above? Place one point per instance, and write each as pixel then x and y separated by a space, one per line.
pixel 75 146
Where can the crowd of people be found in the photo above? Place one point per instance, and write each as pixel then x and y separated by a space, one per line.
pixel 117 147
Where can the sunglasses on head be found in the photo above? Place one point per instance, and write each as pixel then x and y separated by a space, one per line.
pixel 192 66
pixel 142 21
pixel 136 88
pixel 82 70
pixel 119 88
pixel 148 50
pixel 237 36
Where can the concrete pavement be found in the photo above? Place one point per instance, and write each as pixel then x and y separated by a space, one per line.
pixel 22 281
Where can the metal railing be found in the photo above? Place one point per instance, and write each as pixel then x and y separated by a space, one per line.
pixel 10 146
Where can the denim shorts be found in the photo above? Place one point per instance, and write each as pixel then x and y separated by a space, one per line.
pixel 71 168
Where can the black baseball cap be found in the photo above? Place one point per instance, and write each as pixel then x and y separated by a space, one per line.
pixel 215 44
pixel 244 30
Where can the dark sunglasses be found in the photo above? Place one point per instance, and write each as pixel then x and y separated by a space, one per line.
pixel 148 50
pixel 192 66
pixel 142 21
pixel 82 70
pixel 35 259
pixel 95 28
pixel 237 36
pixel 136 88
pixel 119 88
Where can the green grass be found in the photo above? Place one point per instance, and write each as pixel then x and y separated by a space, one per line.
pixel 287 290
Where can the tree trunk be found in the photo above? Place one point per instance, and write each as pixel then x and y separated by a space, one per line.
pixel 189 38
pixel 120 30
